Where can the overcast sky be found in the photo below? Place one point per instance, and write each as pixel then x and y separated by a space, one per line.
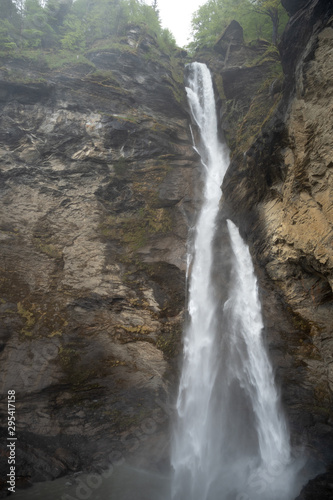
pixel 176 15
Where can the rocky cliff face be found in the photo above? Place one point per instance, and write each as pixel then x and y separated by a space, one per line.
pixel 279 190
pixel 97 172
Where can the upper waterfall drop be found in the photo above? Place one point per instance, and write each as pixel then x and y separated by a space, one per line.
pixel 191 457
pixel 230 439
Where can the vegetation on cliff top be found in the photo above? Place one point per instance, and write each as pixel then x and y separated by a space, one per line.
pixel 259 19
pixel 74 26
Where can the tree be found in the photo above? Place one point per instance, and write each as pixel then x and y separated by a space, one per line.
pixel 259 19
pixel 8 10
pixel 20 6
pixel 74 34
pixel 33 23
pixel 213 17
pixel 166 40
pixel 7 30
pixel 56 11
pixel 36 32
pixel 270 8
pixel 10 24
pixel 76 24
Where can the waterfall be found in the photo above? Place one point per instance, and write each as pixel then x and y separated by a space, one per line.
pixel 191 457
pixel 248 368
pixel 230 439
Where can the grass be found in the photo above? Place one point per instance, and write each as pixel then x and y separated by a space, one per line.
pixel 270 55
pixel 53 59
pixel 61 58
pixel 20 76
pixel 108 45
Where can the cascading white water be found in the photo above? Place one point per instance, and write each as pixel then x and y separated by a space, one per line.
pixel 249 367
pixel 191 457
pixel 230 440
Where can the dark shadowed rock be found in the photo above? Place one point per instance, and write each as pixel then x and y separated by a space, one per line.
pixel 292 6
pixel 232 35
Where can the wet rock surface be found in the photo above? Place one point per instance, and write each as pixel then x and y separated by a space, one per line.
pixel 278 189
pixel 97 171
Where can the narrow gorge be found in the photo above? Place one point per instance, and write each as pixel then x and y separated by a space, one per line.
pixel 101 188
